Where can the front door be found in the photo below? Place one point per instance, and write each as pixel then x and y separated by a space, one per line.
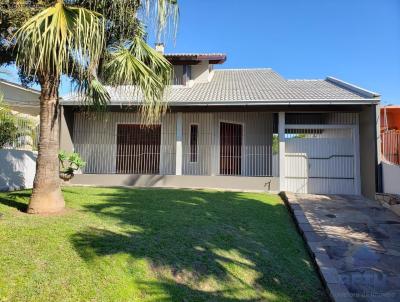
pixel 230 161
pixel 138 149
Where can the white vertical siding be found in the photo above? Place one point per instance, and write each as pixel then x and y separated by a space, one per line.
pixel 95 139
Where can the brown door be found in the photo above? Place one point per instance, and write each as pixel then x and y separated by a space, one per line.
pixel 230 162
pixel 138 149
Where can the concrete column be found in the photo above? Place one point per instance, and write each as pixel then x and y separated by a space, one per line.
pixel 65 131
pixel 215 144
pixel 179 135
pixel 281 133
pixel 356 142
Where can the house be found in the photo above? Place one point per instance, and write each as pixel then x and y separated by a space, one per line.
pixel 390 118
pixel 18 143
pixel 390 133
pixel 232 128
pixel 24 104
pixel 21 99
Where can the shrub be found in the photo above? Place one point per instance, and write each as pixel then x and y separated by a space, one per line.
pixel 8 125
pixel 70 163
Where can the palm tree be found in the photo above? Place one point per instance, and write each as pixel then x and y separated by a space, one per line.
pixel 93 42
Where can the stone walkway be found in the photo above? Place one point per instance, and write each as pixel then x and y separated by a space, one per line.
pixel 355 243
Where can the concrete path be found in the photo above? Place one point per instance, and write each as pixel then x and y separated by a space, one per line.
pixel 355 242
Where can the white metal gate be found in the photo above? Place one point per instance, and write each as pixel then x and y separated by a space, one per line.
pixel 321 160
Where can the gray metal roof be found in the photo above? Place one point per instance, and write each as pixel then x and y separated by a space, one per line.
pixel 255 86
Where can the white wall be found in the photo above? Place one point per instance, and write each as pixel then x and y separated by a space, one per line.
pixel 200 72
pixel 17 169
pixel 391 178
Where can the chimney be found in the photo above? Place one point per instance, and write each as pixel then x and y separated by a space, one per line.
pixel 160 48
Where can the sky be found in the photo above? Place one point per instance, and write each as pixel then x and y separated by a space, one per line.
pixel 357 41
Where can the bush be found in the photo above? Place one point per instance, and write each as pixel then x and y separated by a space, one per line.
pixel 16 130
pixel 70 163
pixel 8 128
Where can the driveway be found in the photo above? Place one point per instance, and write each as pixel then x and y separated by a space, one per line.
pixel 355 242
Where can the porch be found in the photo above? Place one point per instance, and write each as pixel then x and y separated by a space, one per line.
pixel 306 152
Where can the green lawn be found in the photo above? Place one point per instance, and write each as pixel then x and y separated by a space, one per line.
pixel 116 244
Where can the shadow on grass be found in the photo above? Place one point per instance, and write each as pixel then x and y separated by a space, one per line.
pixel 11 200
pixel 250 248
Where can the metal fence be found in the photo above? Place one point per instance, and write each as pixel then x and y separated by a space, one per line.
pixel 18 131
pixel 247 160
pixel 213 143
pixel 390 146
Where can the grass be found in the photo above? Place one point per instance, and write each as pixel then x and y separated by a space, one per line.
pixel 116 244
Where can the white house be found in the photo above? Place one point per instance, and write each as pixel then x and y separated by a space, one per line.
pixel 232 128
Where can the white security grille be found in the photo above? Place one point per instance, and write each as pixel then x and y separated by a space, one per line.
pixel 96 139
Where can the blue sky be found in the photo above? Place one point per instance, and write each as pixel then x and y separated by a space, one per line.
pixel 355 40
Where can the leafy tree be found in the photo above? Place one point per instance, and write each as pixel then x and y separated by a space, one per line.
pixel 93 42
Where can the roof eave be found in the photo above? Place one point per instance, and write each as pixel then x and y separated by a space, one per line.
pixel 349 102
pixel 18 86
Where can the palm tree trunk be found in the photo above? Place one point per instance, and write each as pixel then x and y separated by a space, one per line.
pixel 46 194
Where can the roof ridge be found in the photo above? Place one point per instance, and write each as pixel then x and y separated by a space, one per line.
pixel 242 69
pixel 305 80
pixel 193 53
pixel 353 88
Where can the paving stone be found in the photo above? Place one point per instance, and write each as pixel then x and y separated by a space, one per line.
pixel 323 260
pixel 306 227
pixel 340 293
pixel 356 244
pixel 301 219
pixel 316 247
pixel 296 207
pixel 313 236
pixel 330 274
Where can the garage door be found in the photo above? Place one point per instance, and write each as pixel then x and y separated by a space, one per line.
pixel 321 161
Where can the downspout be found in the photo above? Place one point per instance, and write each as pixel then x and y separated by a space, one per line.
pixel 378 165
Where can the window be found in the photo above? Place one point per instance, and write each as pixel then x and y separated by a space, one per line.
pixel 194 129
pixel 138 149
pixel 187 74
pixel 231 140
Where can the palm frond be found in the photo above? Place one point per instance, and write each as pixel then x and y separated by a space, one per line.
pixel 47 42
pixel 93 94
pixel 139 66
pixel 65 39
pixel 164 12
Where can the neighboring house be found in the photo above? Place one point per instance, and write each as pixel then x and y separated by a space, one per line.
pixel 19 136
pixel 390 134
pixel 22 100
pixel 24 105
pixel 232 128
pixel 390 148
pixel 390 118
